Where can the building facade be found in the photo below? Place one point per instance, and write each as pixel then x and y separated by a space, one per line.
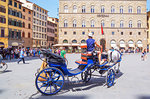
pixel 4 23
pixel 39 26
pixel 50 32
pixel 27 27
pixel 123 22
pixel 148 30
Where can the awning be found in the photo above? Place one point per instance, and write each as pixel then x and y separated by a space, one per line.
pixel 34 46
pixel 66 44
pixel 140 45
pixel 75 44
pixel 131 45
pixel 113 45
pixel 122 45
pixel 14 44
pixel 83 44
pixel 38 46
pixel 57 45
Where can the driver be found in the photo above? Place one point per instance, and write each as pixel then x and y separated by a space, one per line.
pixel 91 45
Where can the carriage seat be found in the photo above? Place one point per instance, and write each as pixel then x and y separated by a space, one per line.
pixel 84 59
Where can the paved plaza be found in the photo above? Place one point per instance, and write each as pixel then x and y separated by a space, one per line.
pixel 133 82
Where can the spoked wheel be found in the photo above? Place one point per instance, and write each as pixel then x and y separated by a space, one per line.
pixel 86 75
pixel 110 78
pixel 3 66
pixel 49 81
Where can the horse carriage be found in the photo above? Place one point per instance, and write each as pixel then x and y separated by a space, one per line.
pixel 51 78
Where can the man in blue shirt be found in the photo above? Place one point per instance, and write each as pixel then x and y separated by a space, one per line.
pixel 91 45
pixel 21 56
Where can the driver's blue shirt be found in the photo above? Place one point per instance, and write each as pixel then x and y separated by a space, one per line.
pixel 90 44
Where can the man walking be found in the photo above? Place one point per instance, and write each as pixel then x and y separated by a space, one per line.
pixel 21 56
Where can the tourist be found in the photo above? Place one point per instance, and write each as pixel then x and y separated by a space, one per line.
pixel 21 56
pixel 63 53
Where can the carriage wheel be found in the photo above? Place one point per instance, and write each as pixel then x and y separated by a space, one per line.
pixel 3 66
pixel 110 77
pixel 49 81
pixel 86 75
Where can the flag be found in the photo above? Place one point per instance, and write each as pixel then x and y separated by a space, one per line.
pixel 102 30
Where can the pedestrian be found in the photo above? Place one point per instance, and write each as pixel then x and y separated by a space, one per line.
pixel 21 56
pixel 63 53
pixel 144 56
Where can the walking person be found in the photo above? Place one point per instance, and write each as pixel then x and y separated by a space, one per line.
pixel 144 56
pixel 63 53
pixel 21 56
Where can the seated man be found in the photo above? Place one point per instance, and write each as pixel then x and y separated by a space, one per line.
pixel 91 46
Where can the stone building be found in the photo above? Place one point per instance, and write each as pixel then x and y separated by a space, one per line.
pixel 27 27
pixel 148 30
pixel 123 21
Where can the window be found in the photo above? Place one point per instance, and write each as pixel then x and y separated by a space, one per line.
pixel 138 9
pixel 102 9
pixel 40 10
pixel 65 23
pixel 74 9
pixel 65 41
pixel 121 24
pixel 74 23
pixel 29 19
pixel 34 7
pixel 10 2
pixel 40 16
pixel 92 9
pixel 19 6
pixel 45 18
pixel 130 24
pixel 112 9
pixel 130 9
pixel 83 33
pixel 139 24
pixel 102 23
pixel 23 34
pixel 130 33
pixel 66 9
pixel 83 41
pixel 34 14
pixel 37 9
pixel 2 32
pixel 92 23
pixel 121 33
pixel 74 33
pixel 93 33
pixel 23 9
pixel 29 12
pixel 2 9
pixel 139 33
pixel 29 26
pixel 2 19
pixel 37 15
pixel 83 9
pixel 74 41
pixel 23 24
pixel 15 4
pixel 65 33
pixel 121 9
pixel 23 17
pixel 113 33
pixel 83 23
pixel 112 23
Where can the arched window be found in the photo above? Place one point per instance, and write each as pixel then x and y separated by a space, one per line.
pixel 74 23
pixel 130 9
pixel 121 9
pixel 130 24
pixel 66 9
pixel 83 9
pixel 92 9
pixel 112 9
pixel 130 42
pixel 112 23
pixel 102 23
pixel 23 24
pixel 121 24
pixel 138 9
pixel 83 41
pixel 29 26
pixel 74 9
pixel 83 23
pixel 23 34
pixel 139 24
pixel 65 23
pixel 102 9
pixel 29 35
pixel 74 41
pixel 92 23
pixel 65 41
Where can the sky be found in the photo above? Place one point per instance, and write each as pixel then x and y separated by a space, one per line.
pixel 53 5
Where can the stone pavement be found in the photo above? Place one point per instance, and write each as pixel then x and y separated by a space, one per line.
pixel 133 82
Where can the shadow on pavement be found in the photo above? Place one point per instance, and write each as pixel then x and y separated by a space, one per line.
pixel 5 71
pixel 144 97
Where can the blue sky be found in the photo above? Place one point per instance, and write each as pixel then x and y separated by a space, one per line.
pixel 52 6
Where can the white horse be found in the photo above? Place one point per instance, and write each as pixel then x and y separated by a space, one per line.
pixel 114 56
